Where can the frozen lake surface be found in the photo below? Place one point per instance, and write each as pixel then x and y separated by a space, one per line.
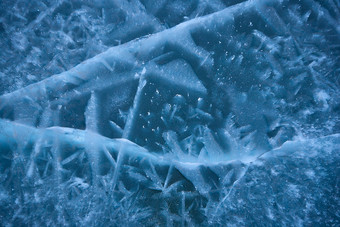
pixel 170 113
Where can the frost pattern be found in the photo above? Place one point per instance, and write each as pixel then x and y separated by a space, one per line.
pixel 182 119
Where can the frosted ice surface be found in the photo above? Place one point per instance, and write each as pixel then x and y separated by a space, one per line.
pixel 169 113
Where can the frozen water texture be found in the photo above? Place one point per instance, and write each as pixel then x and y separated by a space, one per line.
pixel 177 113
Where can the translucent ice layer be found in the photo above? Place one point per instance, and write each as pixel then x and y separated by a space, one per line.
pixel 177 113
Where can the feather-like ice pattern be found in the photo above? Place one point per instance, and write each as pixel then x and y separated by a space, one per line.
pixel 169 113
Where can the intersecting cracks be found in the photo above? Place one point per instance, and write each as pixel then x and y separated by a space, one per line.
pixel 229 191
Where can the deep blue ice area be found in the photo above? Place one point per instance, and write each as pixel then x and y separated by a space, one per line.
pixel 169 113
